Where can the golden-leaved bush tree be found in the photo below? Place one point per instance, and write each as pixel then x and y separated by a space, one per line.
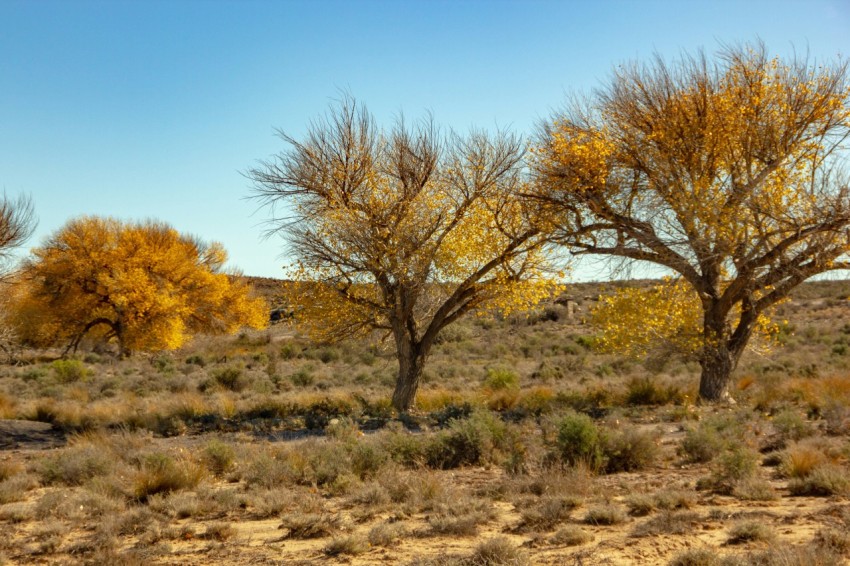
pixel 142 285
pixel 17 222
pixel 725 171
pixel 403 231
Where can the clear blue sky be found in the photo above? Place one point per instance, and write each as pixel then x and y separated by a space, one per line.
pixel 152 109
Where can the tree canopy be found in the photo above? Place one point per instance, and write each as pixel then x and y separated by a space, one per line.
pixel 142 285
pixel 403 231
pixel 726 171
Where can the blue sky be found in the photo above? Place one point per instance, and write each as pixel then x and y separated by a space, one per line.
pixel 149 109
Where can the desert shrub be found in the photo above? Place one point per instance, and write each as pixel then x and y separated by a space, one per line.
pixel 310 525
pixel 697 557
pixel 823 481
pixel 668 523
pixel 790 425
pixel 754 489
pixel 69 371
pixel 837 541
pixel 498 551
pixel 501 378
pixel 196 360
pixel 736 465
pixel 579 441
pixel 570 535
pixel 702 444
pixel 230 378
pixel 546 513
pixel 459 515
pixel 76 465
pixel 9 468
pixel 15 488
pixel 473 441
pixel 385 534
pixel 160 473
pixel 367 459
pixel 219 457
pixel 351 545
pixel 607 515
pixel 801 459
pixel 640 504
pixel 749 531
pixel 629 450
pixel 645 391
pixel 219 531
pixel 303 377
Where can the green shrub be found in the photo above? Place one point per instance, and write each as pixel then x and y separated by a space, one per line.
pixel 579 441
pixel 303 377
pixel 629 450
pixel 501 378
pixel 69 371
pixel 219 457
pixel 645 391
pixel 480 439
pixel 230 378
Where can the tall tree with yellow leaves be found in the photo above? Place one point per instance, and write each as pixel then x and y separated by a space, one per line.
pixel 725 171
pixel 143 285
pixel 403 231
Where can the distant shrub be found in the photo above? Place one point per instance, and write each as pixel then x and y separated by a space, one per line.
pixel 645 391
pixel 501 378
pixel 69 371
pixel 473 441
pixel 498 551
pixel 76 465
pixel 160 473
pixel 219 457
pixel 629 450
pixel 605 515
pixel 303 377
pixel 579 441
pixel 790 425
pixel 749 531
pixel 823 481
pixel 230 378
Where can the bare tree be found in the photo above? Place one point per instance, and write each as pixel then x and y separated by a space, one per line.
pixel 17 222
pixel 725 171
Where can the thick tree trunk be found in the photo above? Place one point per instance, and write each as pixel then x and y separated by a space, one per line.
pixel 718 360
pixel 409 373
pixel 717 363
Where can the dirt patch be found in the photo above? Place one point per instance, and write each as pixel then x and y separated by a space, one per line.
pixel 29 435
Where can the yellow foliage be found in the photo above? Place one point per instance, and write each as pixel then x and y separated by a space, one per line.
pixel 141 284
pixel 660 320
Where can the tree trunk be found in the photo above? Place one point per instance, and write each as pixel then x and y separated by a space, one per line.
pixel 410 366
pixel 717 363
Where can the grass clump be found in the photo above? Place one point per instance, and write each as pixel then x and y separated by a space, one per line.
pixel 385 534
pixel 570 535
pixel 350 545
pixel 697 557
pixel 498 551
pixel 547 513
pixel 629 450
pixel 605 515
pixel 750 531
pixel 310 525
pixel 668 523
pixel 160 473
pixel 69 371
pixel 219 457
pixel 824 481
pixel 499 379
